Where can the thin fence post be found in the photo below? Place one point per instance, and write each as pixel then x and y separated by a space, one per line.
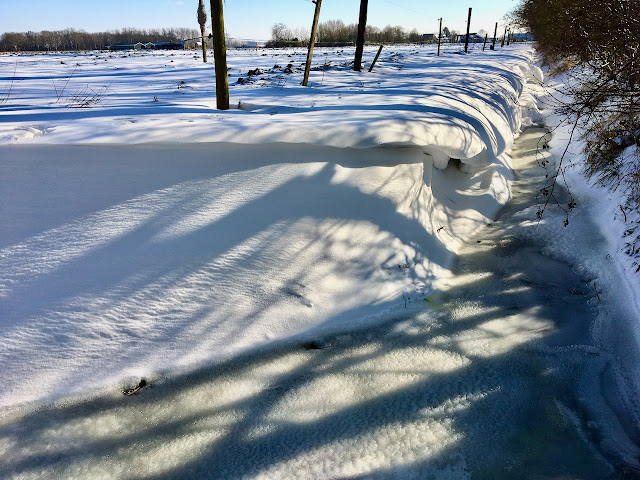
pixel 486 35
pixel 439 36
pixel 495 34
pixel 466 40
pixel 312 41
pixel 375 59
pixel 503 37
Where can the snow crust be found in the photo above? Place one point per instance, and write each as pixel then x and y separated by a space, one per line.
pixel 452 106
pixel 601 258
pixel 134 243
pixel 141 238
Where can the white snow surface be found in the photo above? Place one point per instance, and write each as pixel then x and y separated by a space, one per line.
pixel 459 106
pixel 603 258
pixel 142 237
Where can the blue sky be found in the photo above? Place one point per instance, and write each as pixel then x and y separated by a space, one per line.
pixel 247 19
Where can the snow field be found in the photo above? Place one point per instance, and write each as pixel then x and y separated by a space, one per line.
pixel 212 261
pixel 394 401
pixel 452 106
pixel 124 258
pixel 205 267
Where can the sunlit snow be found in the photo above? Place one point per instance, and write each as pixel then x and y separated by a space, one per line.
pixel 281 274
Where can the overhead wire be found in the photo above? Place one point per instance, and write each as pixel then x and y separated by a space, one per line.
pixel 406 8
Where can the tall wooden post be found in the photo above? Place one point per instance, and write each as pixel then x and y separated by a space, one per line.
pixel 439 36
pixel 466 40
pixel 509 37
pixel 362 26
pixel 219 55
pixel 312 41
pixel 495 34
pixel 503 37
pixel 202 20
pixel 486 35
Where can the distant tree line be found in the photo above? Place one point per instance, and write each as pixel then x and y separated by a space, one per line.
pixel 70 39
pixel 337 32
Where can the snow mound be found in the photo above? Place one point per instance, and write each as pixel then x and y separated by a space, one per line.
pixel 453 106
pixel 176 235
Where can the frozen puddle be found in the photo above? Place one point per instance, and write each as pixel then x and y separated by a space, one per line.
pixel 497 379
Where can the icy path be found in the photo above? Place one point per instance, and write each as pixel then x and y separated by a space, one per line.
pixel 499 379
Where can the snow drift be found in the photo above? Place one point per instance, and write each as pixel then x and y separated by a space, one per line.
pixel 141 237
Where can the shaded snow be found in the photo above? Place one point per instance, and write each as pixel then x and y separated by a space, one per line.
pixel 203 250
pixel 123 257
pixel 136 261
pixel 458 106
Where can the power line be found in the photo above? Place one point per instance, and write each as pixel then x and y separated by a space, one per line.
pixel 406 8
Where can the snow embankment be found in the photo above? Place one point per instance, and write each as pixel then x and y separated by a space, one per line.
pixel 135 260
pixel 452 106
pixel 606 258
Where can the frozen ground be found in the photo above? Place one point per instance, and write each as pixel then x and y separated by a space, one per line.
pixel 499 378
pixel 124 257
pixel 145 234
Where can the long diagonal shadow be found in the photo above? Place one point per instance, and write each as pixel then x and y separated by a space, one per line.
pixel 468 370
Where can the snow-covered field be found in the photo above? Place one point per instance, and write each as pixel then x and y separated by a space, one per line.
pixel 145 234
pixel 219 231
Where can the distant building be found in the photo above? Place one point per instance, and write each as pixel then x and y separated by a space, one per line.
pixel 148 46
pixel 122 46
pixel 473 38
pixel 429 37
pixel 168 45
pixel 250 45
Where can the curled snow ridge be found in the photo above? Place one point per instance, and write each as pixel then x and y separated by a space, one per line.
pixel 453 106
pixel 184 249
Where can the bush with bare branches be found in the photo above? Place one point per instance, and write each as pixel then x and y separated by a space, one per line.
pixel 598 43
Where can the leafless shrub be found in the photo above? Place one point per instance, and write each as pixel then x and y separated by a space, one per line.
pixel 596 44
pixel 87 97
pixel 6 95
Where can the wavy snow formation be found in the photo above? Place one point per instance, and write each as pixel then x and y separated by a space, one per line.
pixel 126 260
pixel 453 106
pixel 148 258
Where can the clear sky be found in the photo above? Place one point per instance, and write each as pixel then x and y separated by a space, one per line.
pixel 246 19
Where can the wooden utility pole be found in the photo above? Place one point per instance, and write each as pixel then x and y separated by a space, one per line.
pixel 495 34
pixel 375 59
pixel 202 20
pixel 503 37
pixel 219 55
pixel 312 41
pixel 486 35
pixel 362 26
pixel 439 36
pixel 466 40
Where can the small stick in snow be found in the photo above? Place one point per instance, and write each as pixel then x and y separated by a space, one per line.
pixel 623 213
pixel 136 389
pixel 595 287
